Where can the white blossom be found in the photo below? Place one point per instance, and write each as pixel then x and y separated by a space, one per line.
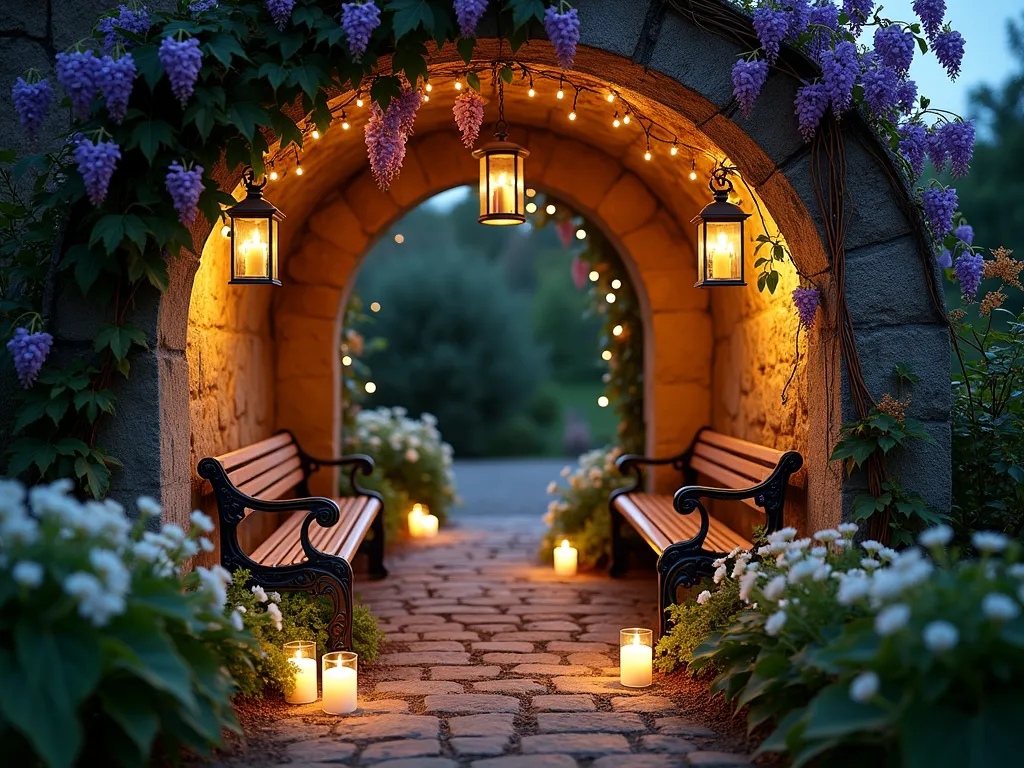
pixel 989 542
pixel 28 574
pixel 864 687
pixel 739 568
pixel 94 603
pixel 747 582
pixel 799 545
pixel 109 565
pixel 148 506
pixel 852 589
pixel 275 613
pixel 848 529
pixel 240 608
pixel 783 534
pixel 827 535
pixel 892 619
pixel 887 554
pixel 774 589
pixel 566 471
pixel 872 547
pixel 822 573
pixel 1016 571
pixel 939 536
pixel 202 521
pixel 775 623
pixel 999 607
pixel 260 593
pixel 236 621
pixel 412 455
pixel 275 597
pixel 869 563
pixel 205 544
pixel 552 488
pixel 720 574
pixel 703 597
pixel 819 551
pixel 940 636
pixel 804 569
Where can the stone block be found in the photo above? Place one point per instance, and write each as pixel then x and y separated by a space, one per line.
pixel 520 658
pixel 533 636
pixel 573 647
pixel 336 222
pixel 373 208
pixel 527 761
pixel 316 300
pixel 437 645
pixel 589 659
pixel 655 742
pixel 589 722
pixel 711 759
pixel 479 745
pixel 470 703
pixel 24 19
pixel 886 284
pixel 388 726
pixel 605 684
pixel 319 751
pixel 306 347
pixel 412 185
pixel 563 703
pixel 628 205
pixel 511 647
pixel 643 704
pixel 413 659
pixel 582 744
pixel 683 345
pixel 581 171
pixel 419 762
pixel 401 748
pixel 482 725
pixel 320 262
pixel 445 161
pixel 771 125
pixel 680 726
pixel 418 687
pixel 550 669
pixel 612 26
pixel 509 686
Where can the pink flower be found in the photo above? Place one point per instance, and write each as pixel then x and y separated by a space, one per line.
pixel 469 115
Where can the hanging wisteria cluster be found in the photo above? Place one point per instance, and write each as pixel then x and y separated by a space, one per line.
pixel 865 61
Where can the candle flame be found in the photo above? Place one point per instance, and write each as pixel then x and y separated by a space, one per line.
pixel 636 639
pixel 724 245
pixel 565 543
pixel 298 654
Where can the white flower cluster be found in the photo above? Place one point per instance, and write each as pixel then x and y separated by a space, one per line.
pixel 91 549
pixel 868 579
pixel 596 471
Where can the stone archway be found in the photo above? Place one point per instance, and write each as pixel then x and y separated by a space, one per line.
pixel 677 70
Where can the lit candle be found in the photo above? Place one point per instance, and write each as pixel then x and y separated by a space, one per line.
pixel 636 655
pixel 340 678
pixel 254 253
pixel 499 202
pixel 415 520
pixel 302 656
pixel 428 526
pixel 565 559
pixel 722 255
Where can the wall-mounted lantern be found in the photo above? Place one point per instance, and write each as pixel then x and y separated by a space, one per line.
pixel 720 237
pixel 255 241
pixel 502 177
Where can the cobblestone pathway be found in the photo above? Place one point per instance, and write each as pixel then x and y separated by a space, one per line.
pixel 492 662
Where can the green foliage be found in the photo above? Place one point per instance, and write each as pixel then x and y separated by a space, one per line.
pixel 254 79
pixel 861 656
pixel 565 323
pixel 693 621
pixel 104 646
pixel 988 427
pixel 456 347
pixel 302 617
pixel 580 513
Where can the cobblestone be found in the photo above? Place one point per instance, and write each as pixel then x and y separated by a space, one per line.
pixel 482 725
pixel 583 744
pixel 470 702
pixel 389 750
pixel 389 727
pixel 557 703
pixel 418 687
pixel 510 686
pixel 521 658
pixel 645 703
pixel 590 722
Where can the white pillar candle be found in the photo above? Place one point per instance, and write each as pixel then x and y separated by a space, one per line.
pixel 339 690
pixel 566 559
pixel 636 657
pixel 415 519
pixel 305 680
pixel 428 526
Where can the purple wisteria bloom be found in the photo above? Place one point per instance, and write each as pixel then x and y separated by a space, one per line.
pixel 945 259
pixel 563 30
pixel 748 78
pixel 97 162
pixel 939 206
pixel 29 351
pixel 469 13
pixel 76 72
pixel 115 79
pixel 772 26
pixel 359 20
pixel 913 142
pixel 182 60
pixel 881 88
pixel 895 47
pixel 969 270
pixel 964 232
pixel 936 149
pixel 806 301
pixel 184 185
pixel 811 103
pixel 128 19
pixel 32 102
pixel 281 12
pixel 799 15
pixel 949 50
pixel 906 95
pixel 840 70
pixel 931 13
pixel 859 11
pixel 957 139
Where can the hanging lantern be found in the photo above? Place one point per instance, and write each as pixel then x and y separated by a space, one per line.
pixel 502 180
pixel 720 238
pixel 254 236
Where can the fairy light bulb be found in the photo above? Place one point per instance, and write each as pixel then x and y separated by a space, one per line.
pixel 610 97
pixel 550 209
pixel 458 85
pixel 647 155
pixel 581 234
pixel 674 151
pixel 428 87
pixel 626 118
pixel 617 330
pixel 572 115
pixel 616 284
pixel 610 298
pixel 225 231
pixel 315 134
pixel 615 121
pixel 531 207
pixel 606 355
pixel 560 94
pixel 273 176
pixel 346 360
pixel 298 168
pixel 531 93
pixel 594 275
pixel 370 387
pixel 359 102
pixel 602 402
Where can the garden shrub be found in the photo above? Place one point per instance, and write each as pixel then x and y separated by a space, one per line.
pixel 456 346
pixel 580 513
pixel 693 621
pixel 413 464
pixel 104 647
pixel 274 619
pixel 861 655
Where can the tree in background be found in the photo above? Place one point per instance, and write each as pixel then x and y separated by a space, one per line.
pixel 459 345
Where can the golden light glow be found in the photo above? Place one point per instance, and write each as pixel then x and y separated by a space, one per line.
pixel 429 87
pixel 617 330
pixel 531 93
pixel 253 256
pixel 616 123
pixel 359 102
pixel 565 543
pixel 375 306
pixel 626 118
pixel 345 125
pixel 346 360
pixel 315 134
pixel 370 387
pixel 674 151
pixel 581 234
pixel 722 250
pixel 399 238
pixel 693 175
pixel 602 401
pixel 647 155
pixel 560 94
pixel 610 97
pixel 531 207
pixel 594 275
pixel 610 298
pixel 616 284
pixel 298 169
pixel 531 192
pixel 458 85
pixel 572 115
pixel 273 176
pixel 550 209
pixel 606 355
pixel 225 231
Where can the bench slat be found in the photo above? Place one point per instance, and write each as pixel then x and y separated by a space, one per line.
pixel 319 536
pixel 741 447
pixel 248 471
pixel 756 473
pixel 654 536
pixel 235 459
pixel 273 485
pixel 360 525
pixel 678 527
pixel 284 546
pixel 267 553
pixel 730 479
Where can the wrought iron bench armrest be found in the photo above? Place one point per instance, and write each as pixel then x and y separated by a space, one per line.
pixel 361 465
pixel 232 504
pixel 632 463
pixel 770 495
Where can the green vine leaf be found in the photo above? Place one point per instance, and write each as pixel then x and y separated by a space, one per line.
pixel 112 229
pixel 224 46
pixel 474 81
pixel 505 74
pixel 410 58
pixel 465 48
pixel 409 15
pixel 151 266
pixel 384 89
pixel 93 403
pixel 246 116
pixel 120 339
pixel 525 11
pixel 94 474
pixel 30 451
pixel 149 136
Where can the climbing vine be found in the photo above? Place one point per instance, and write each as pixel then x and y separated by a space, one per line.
pixel 159 101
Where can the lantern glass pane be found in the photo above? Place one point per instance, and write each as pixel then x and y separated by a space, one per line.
pixel 483 185
pixel 724 250
pixel 275 244
pixel 251 247
pixel 501 191
pixel 520 184
pixel 702 273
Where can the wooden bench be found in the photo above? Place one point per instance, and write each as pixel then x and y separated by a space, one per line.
pixel 273 476
pixel 747 472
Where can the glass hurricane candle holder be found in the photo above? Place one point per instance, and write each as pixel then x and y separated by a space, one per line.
pixel 301 654
pixel 636 657
pixel 340 676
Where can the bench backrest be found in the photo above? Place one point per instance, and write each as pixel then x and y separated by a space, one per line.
pixel 270 469
pixel 731 462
